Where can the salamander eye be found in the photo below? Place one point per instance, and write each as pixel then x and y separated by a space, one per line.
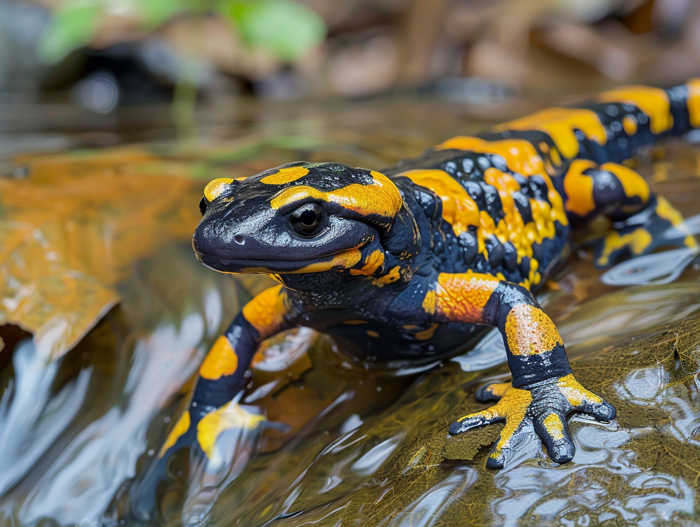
pixel 308 219
pixel 203 205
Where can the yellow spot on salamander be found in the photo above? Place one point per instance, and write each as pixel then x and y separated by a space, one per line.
pixel 486 230
pixel 221 360
pixel 579 188
pixel 344 260
pixel 515 407
pixel 266 311
pixel 214 188
pixel 372 333
pixel 381 198
pixel 227 417
pixel 429 302
pixel 462 297
pixel 694 102
pixel 392 276
pixel 499 389
pixel 511 227
pixel 666 211
pixel 652 101
pixel 285 175
pixel 555 157
pixel 521 157
pixel 458 208
pixel 534 277
pixel 629 123
pixel 529 331
pixel 637 241
pixel 182 425
pixel 427 334
pixel 575 393
pixel 632 183
pixel 559 124
pixel 554 427
pixel 372 263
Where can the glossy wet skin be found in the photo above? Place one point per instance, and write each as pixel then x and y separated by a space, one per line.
pixel 362 252
pixel 286 219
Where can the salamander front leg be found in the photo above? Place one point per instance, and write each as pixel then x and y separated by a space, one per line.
pixel 212 409
pixel 543 391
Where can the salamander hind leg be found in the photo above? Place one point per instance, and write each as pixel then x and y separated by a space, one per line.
pixel 659 225
pixel 642 222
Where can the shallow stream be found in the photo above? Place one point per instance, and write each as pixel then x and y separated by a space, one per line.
pixel 95 262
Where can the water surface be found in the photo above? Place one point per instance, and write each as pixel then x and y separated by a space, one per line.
pixel 96 264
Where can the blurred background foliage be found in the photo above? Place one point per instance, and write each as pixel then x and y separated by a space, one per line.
pixel 104 53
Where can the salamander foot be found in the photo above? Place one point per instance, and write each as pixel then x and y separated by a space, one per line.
pixel 542 407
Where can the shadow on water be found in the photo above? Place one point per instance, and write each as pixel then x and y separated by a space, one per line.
pixel 96 265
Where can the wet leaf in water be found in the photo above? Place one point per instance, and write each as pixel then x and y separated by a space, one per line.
pixel 71 230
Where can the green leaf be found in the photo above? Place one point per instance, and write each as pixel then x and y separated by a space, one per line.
pixel 156 12
pixel 73 25
pixel 284 27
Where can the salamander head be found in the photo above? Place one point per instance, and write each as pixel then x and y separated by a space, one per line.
pixel 297 218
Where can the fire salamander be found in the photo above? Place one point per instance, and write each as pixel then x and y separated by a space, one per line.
pixel 407 263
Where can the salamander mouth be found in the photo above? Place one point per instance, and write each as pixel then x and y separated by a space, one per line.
pixel 248 266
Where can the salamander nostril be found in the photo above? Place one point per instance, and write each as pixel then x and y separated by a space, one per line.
pixel 203 204
pixel 240 240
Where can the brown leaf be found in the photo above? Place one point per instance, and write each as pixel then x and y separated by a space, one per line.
pixel 70 231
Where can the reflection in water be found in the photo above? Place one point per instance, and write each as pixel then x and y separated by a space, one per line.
pixel 659 268
pixel 623 313
pixel 489 352
pixel 370 462
pixel 426 510
pixel 32 415
pixel 341 445
pixel 642 387
pixel 233 450
pixel 92 466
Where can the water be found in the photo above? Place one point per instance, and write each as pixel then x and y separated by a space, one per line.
pixel 96 262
